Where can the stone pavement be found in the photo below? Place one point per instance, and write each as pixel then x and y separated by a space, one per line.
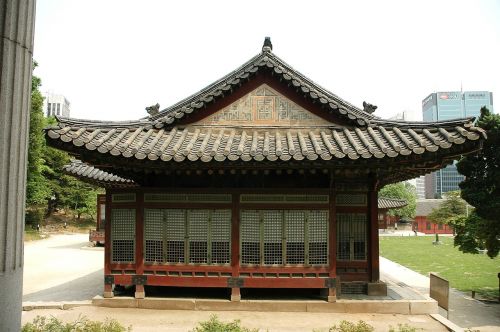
pixel 464 310
pixel 62 268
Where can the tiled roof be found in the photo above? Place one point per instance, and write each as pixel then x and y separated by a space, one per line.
pixel 208 143
pixel 93 175
pixel 265 61
pixel 425 206
pixel 391 203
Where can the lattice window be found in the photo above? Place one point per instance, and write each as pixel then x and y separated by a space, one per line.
pixel 262 198
pixel 277 237
pixel 220 236
pixel 272 199
pixel 351 199
pixel 307 198
pixel 250 237
pixel 209 198
pixel 273 235
pixel 153 235
pixel 351 236
pixel 318 237
pixel 359 236
pixel 198 235
pixel 123 198
pixel 122 235
pixel 175 233
pixel 295 237
pixel 177 198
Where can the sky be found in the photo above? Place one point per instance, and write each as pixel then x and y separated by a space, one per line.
pixel 111 59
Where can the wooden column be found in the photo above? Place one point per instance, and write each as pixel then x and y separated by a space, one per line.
pixel 374 264
pixel 332 249
pixel 108 287
pixel 235 245
pixel 139 242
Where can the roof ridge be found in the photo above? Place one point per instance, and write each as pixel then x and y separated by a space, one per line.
pixel 403 123
pixel 180 103
pixel 97 123
pixel 320 87
pixel 265 59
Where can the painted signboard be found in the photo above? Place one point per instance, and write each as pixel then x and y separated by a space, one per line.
pixel 264 106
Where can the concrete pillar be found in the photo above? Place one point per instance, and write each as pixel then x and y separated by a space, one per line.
pixel 17 19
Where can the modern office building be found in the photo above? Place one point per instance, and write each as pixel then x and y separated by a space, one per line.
pixel 55 104
pixel 440 106
pixel 420 184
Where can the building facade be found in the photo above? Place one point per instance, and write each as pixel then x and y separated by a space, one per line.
pixel 262 179
pixel 424 225
pixel 56 105
pixel 442 106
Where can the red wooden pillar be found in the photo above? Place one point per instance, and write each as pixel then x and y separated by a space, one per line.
pixel 374 264
pixel 108 285
pixel 139 243
pixel 332 248
pixel 235 245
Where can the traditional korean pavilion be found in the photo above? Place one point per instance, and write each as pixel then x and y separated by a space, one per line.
pixel 263 179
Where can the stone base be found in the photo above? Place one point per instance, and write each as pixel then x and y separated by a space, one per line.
pixel 330 294
pixel 107 295
pixel 377 289
pixel 235 298
pixel 404 307
pixel 140 295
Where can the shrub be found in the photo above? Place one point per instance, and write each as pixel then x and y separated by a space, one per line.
pixel 215 325
pixel 404 328
pixel 82 324
pixel 346 326
pixel 34 215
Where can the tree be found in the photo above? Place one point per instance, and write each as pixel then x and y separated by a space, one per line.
pixel 66 191
pixel 481 189
pixel 36 186
pixel 401 190
pixel 46 184
pixel 452 207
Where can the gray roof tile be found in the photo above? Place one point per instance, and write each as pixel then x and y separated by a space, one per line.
pixel 220 143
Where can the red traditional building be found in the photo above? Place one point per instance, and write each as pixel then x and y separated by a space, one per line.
pixel 424 225
pixel 262 179
pixel 97 235
pixel 384 205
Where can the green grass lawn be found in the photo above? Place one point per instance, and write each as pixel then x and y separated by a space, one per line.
pixel 465 272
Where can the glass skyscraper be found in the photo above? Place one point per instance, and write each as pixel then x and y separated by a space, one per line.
pixel 445 106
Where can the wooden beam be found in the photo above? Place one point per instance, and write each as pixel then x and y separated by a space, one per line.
pixel 374 264
pixel 235 244
pixel 332 240
pixel 108 288
pixel 139 241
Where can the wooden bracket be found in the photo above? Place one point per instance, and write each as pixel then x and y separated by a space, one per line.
pixel 235 282
pixel 330 282
pixel 139 280
pixel 109 280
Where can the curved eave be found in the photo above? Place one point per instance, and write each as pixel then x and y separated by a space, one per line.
pixel 391 203
pixel 208 144
pixel 95 176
